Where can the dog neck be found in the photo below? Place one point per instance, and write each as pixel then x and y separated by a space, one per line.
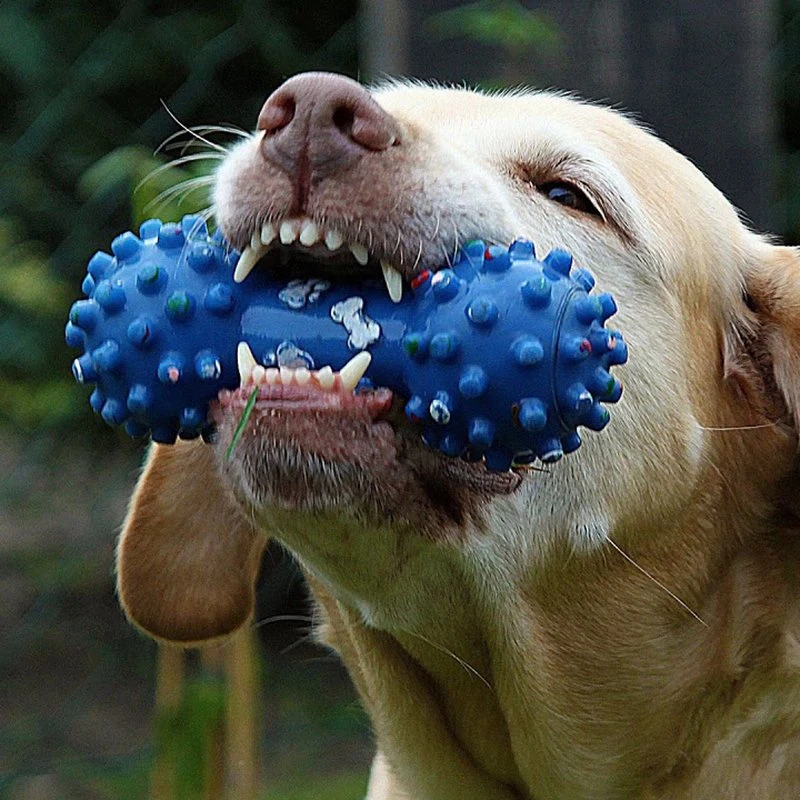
pixel 546 675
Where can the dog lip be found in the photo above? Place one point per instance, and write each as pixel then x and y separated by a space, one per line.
pixel 298 399
pixel 306 424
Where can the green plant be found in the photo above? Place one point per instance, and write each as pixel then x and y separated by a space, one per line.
pixel 503 24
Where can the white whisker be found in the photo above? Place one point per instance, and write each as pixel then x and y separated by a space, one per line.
pixel 467 666
pixel 183 188
pixel 438 225
pixel 281 618
pixel 191 132
pixel 419 256
pixel 655 580
pixel 177 162
pixel 206 214
pixel 741 427
pixel 184 147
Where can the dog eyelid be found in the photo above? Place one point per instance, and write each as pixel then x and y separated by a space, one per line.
pixel 607 195
pixel 569 194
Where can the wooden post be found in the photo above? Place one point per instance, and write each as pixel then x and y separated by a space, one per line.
pixel 230 752
pixel 212 658
pixel 242 716
pixel 170 672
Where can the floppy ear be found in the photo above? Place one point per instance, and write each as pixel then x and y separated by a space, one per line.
pixel 773 329
pixel 187 558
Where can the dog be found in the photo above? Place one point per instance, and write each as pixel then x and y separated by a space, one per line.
pixel 622 624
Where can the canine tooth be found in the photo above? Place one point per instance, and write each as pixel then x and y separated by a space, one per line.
pixel 289 230
pixel 247 260
pixel 259 373
pixel 333 240
pixel 326 377
pixel 286 375
pixel 394 281
pixel 268 233
pixel 359 253
pixel 302 376
pixel 246 362
pixel 271 376
pixel 352 372
pixel 309 234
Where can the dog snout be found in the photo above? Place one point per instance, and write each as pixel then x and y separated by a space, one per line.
pixel 318 123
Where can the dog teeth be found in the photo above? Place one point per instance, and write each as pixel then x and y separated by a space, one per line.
pixel 325 377
pixel 333 240
pixel 394 281
pixel 268 233
pixel 289 230
pixel 309 234
pixel 247 260
pixel 345 380
pixel 352 372
pixel 246 361
pixel 360 253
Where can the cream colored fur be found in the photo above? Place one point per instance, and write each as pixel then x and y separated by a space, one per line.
pixel 627 623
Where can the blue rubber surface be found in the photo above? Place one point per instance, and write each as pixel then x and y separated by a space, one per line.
pixel 499 355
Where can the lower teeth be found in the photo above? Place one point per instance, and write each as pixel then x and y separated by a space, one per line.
pixel 250 371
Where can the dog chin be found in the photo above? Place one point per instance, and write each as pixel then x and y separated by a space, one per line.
pixel 372 468
pixel 310 460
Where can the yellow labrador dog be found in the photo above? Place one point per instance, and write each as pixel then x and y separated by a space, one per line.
pixel 625 624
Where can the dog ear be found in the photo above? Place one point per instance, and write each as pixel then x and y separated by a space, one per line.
pixel 187 558
pixel 771 328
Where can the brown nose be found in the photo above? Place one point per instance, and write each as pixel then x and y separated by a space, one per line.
pixel 318 123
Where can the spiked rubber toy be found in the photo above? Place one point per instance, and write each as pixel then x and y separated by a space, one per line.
pixel 499 356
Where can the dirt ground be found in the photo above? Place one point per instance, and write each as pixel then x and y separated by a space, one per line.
pixel 77 682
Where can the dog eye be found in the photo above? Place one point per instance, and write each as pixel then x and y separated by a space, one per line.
pixel 569 195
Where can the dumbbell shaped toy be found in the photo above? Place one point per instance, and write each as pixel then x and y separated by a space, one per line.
pixel 500 355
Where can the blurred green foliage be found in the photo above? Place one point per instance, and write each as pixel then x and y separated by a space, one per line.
pixel 184 737
pixel 503 24
pixel 80 85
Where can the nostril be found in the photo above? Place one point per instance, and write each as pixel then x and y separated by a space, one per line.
pixel 363 126
pixel 373 133
pixel 343 118
pixel 277 113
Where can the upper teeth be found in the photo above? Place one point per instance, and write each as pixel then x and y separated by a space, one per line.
pixel 308 233
pixel 394 281
pixel 359 253
pixel 333 239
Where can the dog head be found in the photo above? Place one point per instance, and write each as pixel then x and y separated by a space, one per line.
pixel 406 173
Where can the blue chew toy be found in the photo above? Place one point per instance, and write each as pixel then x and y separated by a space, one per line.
pixel 500 355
